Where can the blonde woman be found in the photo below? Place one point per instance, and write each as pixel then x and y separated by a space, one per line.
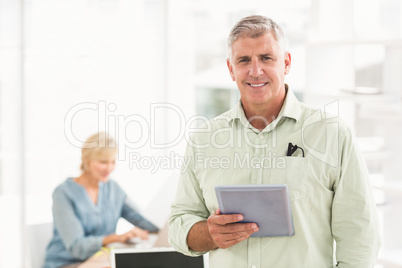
pixel 86 208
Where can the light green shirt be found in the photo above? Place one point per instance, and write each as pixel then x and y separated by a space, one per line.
pixel 330 194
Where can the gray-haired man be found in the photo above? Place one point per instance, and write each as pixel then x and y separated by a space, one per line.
pixel 328 185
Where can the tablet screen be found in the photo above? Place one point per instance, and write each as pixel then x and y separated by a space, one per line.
pixel 267 205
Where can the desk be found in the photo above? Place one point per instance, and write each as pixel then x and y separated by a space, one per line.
pixel 101 259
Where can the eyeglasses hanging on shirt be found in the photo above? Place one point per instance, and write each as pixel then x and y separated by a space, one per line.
pixel 293 148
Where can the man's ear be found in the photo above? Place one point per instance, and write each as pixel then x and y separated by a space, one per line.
pixel 288 62
pixel 230 67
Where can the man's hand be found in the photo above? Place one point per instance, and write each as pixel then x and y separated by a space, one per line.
pixel 226 232
pixel 219 231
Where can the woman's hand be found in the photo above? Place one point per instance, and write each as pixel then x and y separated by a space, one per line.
pixel 143 234
pixel 133 233
pixel 136 231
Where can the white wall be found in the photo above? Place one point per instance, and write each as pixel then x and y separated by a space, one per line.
pixel 103 65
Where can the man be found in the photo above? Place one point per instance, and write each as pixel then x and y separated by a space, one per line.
pixel 327 179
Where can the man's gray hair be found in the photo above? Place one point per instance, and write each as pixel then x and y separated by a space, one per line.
pixel 256 26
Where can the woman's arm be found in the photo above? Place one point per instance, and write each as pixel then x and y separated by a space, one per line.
pixel 130 214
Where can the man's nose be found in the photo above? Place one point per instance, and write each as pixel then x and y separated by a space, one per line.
pixel 255 69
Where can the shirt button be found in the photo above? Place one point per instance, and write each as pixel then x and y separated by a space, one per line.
pixel 261 137
pixel 253 266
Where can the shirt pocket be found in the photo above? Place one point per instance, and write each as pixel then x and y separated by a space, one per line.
pixel 294 173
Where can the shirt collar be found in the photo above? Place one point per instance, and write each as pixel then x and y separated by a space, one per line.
pixel 291 108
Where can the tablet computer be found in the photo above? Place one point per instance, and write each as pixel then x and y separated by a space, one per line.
pixel 267 205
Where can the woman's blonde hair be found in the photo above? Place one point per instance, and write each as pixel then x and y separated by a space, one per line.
pixel 99 146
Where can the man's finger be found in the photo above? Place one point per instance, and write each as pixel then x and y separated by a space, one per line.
pixel 224 219
pixel 229 240
pixel 240 227
pixel 237 235
pixel 235 227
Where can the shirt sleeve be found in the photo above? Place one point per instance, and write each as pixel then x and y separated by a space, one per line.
pixel 130 213
pixel 354 218
pixel 71 230
pixel 187 209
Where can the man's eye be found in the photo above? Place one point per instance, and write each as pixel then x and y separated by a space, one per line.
pixel 243 60
pixel 266 58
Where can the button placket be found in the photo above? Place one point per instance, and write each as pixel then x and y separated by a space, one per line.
pixel 254 252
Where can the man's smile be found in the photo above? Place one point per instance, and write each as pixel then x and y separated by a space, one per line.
pixel 257 85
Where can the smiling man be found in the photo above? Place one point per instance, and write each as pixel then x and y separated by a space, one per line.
pixel 258 66
pixel 330 195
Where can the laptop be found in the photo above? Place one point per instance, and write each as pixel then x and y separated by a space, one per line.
pixel 164 257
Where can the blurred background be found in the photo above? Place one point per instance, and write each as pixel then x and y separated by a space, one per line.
pixel 142 69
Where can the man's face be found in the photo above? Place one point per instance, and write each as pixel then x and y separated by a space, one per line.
pixel 258 66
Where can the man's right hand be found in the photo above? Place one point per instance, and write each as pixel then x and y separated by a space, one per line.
pixel 226 231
